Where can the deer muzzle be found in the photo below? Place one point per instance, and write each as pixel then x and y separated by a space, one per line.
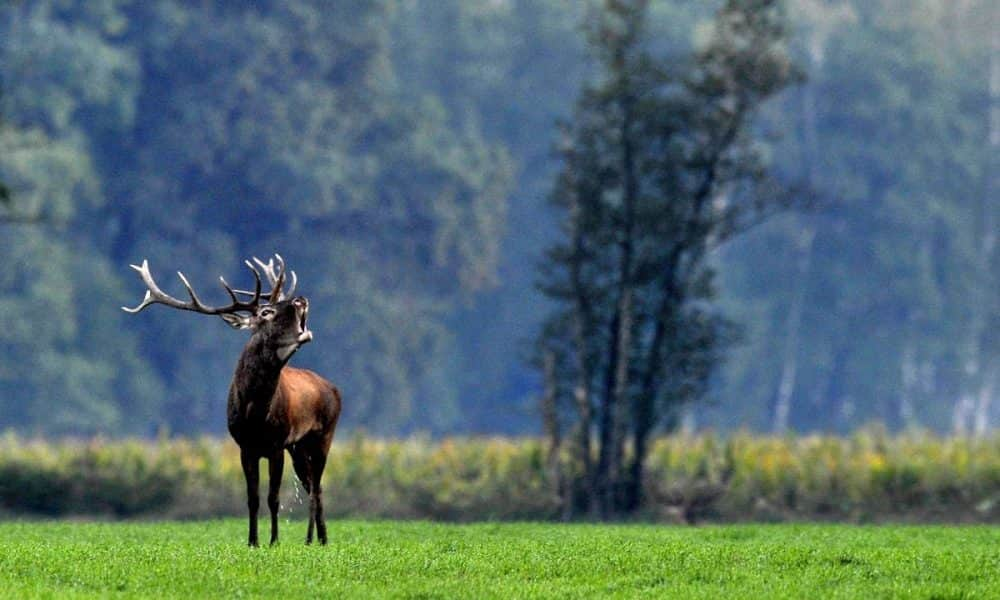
pixel 302 305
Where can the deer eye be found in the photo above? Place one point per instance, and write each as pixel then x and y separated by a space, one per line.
pixel 267 312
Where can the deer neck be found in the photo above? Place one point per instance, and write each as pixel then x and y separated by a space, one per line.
pixel 256 378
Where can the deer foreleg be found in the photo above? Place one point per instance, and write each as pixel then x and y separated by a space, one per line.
pixel 276 467
pixel 251 471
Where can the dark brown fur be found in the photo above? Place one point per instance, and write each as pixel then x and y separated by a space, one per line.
pixel 273 407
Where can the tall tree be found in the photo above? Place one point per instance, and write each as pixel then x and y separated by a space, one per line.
pixel 661 164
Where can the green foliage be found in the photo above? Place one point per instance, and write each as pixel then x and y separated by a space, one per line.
pixel 196 136
pixel 389 213
pixel 869 476
pixel 392 560
pixel 511 69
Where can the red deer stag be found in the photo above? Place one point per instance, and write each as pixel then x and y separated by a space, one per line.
pixel 271 406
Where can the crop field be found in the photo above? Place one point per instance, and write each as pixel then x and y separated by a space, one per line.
pixel 425 560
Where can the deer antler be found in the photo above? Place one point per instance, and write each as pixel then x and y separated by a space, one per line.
pixel 154 295
pixel 276 279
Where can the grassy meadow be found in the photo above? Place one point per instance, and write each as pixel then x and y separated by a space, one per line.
pixel 512 560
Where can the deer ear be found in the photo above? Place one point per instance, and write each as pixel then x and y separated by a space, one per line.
pixel 236 321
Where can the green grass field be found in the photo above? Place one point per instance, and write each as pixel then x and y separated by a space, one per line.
pixel 425 560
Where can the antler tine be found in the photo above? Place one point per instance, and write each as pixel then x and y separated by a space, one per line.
pixel 275 278
pixel 276 295
pixel 268 269
pixel 153 292
pixel 194 298
pixel 154 295
pixel 146 301
pixel 255 294
pixel 257 284
pixel 229 290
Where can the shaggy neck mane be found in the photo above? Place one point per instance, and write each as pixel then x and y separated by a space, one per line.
pixel 257 371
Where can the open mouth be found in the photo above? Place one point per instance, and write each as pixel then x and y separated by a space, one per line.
pixel 304 334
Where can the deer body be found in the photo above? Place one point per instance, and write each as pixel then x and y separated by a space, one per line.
pixel 271 407
pixel 299 403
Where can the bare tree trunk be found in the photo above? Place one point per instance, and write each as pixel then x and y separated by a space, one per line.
pixel 614 408
pixel 908 373
pixel 615 405
pixel 626 310
pixel 550 413
pixel 583 486
pixel 550 426
pixel 622 405
pixel 833 393
pixel 961 414
pixel 644 417
pixel 804 243
pixel 600 482
pixel 984 404
pixel 583 323
pixel 793 323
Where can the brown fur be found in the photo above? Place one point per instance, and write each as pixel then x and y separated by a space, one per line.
pixel 273 408
pixel 309 403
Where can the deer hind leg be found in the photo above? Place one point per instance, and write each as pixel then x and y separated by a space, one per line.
pixel 251 471
pixel 276 464
pixel 318 463
pixel 303 469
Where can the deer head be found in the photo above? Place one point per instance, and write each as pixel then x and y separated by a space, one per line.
pixel 276 319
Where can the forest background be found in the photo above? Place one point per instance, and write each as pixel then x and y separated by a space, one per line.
pixel 400 153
